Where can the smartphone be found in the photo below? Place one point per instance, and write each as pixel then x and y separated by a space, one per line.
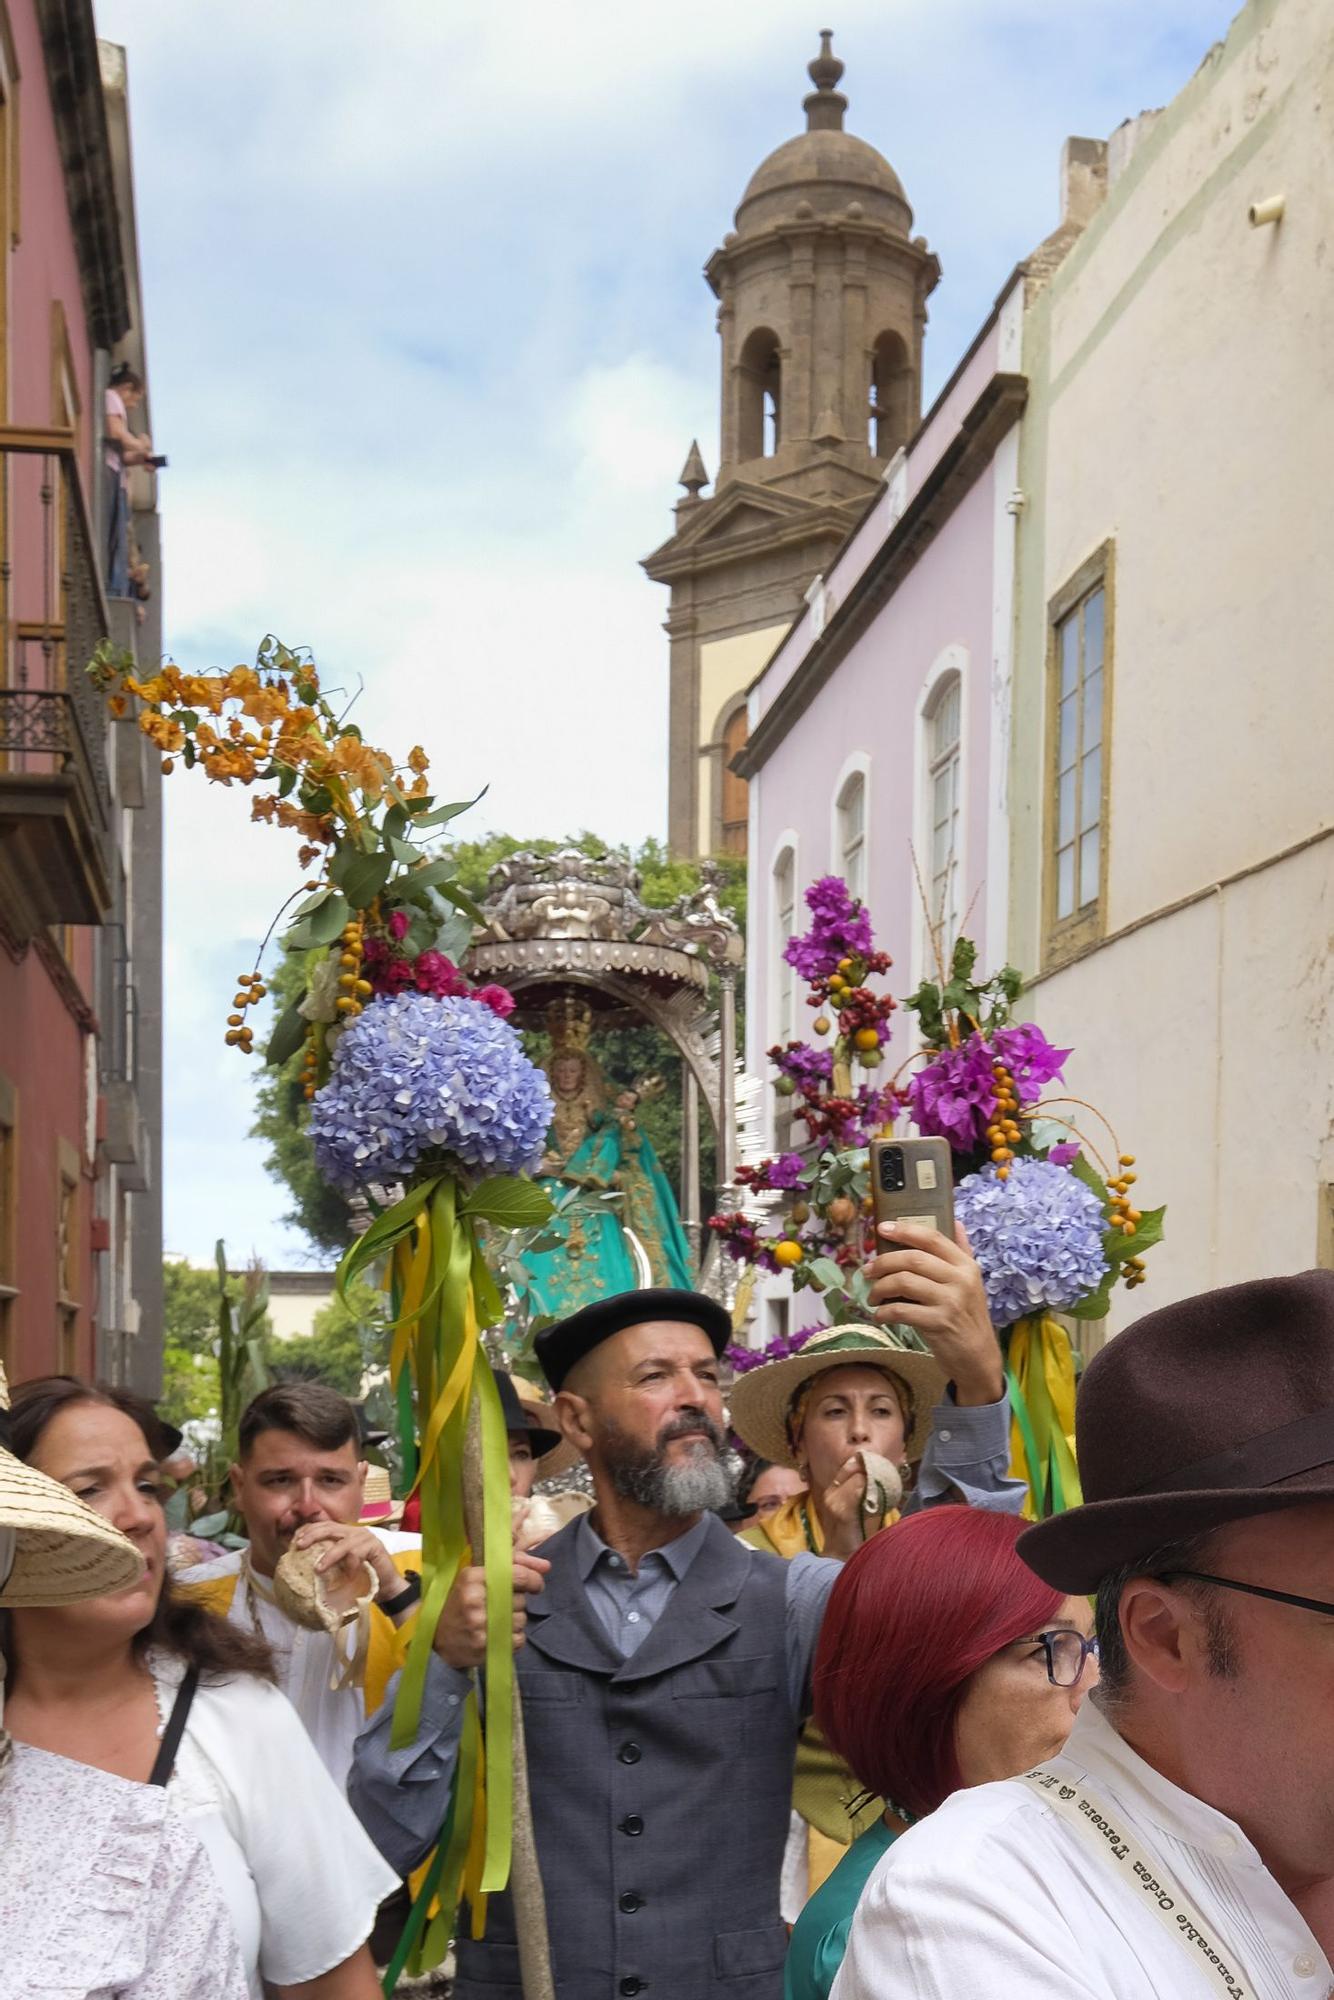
pixel 912 1180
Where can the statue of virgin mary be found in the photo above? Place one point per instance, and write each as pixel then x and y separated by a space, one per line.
pixel 630 1238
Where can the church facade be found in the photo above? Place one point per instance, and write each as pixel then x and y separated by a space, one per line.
pixel 822 292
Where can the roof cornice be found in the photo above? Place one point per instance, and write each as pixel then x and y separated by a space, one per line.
pixel 74 80
pixel 957 470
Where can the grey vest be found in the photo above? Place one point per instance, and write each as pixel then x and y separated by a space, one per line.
pixel 661 1789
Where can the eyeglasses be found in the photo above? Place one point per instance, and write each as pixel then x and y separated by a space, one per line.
pixel 1067 1655
pixel 1250 1590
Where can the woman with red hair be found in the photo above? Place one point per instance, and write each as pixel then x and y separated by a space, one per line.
pixel 943 1662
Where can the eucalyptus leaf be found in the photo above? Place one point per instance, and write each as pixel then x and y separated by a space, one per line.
pixel 289 1033
pixel 364 877
pixel 441 814
pixel 509 1202
pixel 322 926
pixel 826 1273
pixel 395 823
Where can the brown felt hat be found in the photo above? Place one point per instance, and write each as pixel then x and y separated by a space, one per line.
pixel 1205 1412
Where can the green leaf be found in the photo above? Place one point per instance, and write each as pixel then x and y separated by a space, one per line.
pixel 1083 1170
pixel 441 814
pixel 826 1274
pixel 187 718
pixel 287 780
pixel 1148 1231
pixel 1098 1304
pixel 509 1202
pixel 402 850
pixel 311 903
pixel 320 927
pixel 383 1233
pixel 364 877
pixel 462 901
pixel 288 1035
pixel 395 823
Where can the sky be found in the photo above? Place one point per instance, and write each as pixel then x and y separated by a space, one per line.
pixel 428 342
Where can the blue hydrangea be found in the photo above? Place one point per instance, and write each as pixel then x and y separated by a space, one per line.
pixel 415 1075
pixel 1037 1236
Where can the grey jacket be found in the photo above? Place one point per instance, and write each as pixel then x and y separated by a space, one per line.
pixel 660 1788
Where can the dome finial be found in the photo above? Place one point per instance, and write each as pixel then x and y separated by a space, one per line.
pixel 825 106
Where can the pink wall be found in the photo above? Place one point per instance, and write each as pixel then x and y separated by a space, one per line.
pixel 42 1037
pixel 872 704
pixel 44 266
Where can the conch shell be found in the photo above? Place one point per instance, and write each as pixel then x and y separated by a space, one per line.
pixel 884 1484
pixel 301 1592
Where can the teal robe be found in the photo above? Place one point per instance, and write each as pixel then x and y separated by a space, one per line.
pixel 594 1260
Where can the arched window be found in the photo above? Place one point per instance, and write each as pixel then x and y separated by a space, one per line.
pixel 851 817
pixel 891 396
pixel 760 405
pixel 943 723
pixel 732 790
pixel 784 924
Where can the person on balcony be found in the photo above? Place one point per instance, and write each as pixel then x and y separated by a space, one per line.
pixel 122 448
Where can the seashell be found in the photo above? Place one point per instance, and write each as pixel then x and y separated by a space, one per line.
pixel 301 1592
pixel 538 1522
pixel 884 1484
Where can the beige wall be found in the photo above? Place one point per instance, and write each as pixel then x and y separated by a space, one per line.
pixel 1182 407
pixel 293 1312
pixel 726 669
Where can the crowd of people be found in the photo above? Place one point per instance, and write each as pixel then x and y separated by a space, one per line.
pixel 852 1727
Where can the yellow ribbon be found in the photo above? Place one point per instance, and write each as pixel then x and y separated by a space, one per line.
pixel 1041 1371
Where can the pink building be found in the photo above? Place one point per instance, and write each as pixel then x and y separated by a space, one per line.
pixel 879 727
pixel 80 807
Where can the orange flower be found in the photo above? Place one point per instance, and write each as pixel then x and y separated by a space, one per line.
pixel 418 760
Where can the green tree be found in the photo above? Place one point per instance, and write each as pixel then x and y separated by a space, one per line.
pixel 344 1341
pixel 626 1052
pixel 190 1387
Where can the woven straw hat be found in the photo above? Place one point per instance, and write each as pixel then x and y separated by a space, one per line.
pixel 762 1397
pixel 562 1457
pixel 379 1509
pixel 53 1549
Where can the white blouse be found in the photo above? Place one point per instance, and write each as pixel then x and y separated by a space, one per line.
pixel 300 1878
pixel 105 1893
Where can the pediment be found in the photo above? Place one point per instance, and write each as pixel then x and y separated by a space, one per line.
pixel 743 513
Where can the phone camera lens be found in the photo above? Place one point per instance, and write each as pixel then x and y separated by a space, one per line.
pixel 893 1177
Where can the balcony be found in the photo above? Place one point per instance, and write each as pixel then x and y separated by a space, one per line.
pixel 55 798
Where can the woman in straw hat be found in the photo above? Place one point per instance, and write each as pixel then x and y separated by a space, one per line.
pixel 879 1421
pixel 112 1679
pixel 104 1891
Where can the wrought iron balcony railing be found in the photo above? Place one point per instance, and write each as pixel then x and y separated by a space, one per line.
pixel 55 797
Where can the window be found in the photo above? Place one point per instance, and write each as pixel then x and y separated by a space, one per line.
pixel 759 404
pixel 732 790
pixel 785 914
pixel 943 725
pixel 852 834
pixel 890 419
pixel 1075 857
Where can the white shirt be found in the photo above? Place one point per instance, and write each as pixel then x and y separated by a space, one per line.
pixel 996 1894
pixel 307 1663
pixel 300 1879
pixel 105 1893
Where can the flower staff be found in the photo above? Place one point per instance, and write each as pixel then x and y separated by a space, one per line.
pixel 1050 1233
pixel 421 1096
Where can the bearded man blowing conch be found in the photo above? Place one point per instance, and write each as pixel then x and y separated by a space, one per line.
pixel 665 1673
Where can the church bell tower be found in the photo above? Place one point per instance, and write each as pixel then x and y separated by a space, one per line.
pixel 821 293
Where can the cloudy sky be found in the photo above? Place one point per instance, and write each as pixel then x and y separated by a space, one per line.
pixel 429 340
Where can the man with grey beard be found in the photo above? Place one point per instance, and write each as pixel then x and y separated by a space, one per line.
pixel 665 1677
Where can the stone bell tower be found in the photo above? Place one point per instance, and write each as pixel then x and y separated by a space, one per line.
pixel 822 295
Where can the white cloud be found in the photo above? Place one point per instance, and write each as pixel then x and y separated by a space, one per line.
pixel 429 341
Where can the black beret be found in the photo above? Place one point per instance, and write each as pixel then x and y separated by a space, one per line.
pixel 571 1339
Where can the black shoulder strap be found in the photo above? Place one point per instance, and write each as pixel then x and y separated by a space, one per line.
pixel 165 1762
